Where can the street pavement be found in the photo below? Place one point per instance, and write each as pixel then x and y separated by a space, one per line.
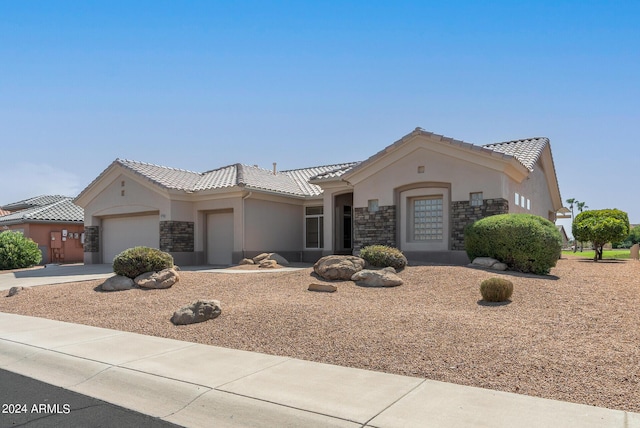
pixel 26 402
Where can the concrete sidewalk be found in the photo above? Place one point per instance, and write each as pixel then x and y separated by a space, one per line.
pixel 197 385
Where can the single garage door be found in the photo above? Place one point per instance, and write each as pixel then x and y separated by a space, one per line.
pixel 120 233
pixel 219 238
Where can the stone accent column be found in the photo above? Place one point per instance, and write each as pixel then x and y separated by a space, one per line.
pixel 463 214
pixel 176 236
pixel 371 228
pixel 92 239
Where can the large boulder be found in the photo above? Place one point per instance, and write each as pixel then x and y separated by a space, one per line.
pixel 246 262
pixel 338 267
pixel 117 283
pixel 488 263
pixel 161 279
pixel 376 278
pixel 268 263
pixel 271 256
pixel 198 311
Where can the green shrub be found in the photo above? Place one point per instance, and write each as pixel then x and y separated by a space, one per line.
pixel 17 251
pixel 496 289
pixel 138 260
pixel 383 256
pixel 524 242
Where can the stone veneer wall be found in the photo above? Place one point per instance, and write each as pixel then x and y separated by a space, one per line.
pixel 462 214
pixel 91 239
pixel 176 236
pixel 371 228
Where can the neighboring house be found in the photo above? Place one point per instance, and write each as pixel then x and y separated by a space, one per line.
pixel 55 223
pixel 417 194
pixel 565 237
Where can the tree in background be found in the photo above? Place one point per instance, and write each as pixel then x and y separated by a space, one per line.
pixel 572 201
pixel 601 227
pixel 581 206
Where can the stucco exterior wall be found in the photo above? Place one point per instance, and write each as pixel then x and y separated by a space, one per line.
pixel 463 176
pixel 273 226
pixel 124 195
pixel 534 189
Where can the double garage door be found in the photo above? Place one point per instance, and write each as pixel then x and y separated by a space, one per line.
pixel 120 233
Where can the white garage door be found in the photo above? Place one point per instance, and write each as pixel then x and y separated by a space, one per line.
pixel 120 233
pixel 219 238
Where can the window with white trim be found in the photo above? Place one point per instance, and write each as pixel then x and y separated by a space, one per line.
pixel 314 227
pixel 476 199
pixel 427 218
pixel 517 199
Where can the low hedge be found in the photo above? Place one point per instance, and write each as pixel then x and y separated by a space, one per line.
pixel 384 256
pixel 524 242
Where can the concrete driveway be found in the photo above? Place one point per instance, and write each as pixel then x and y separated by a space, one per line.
pixel 54 274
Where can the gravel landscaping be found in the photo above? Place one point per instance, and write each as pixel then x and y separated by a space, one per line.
pixel 573 335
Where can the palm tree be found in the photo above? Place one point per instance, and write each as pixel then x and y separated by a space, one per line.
pixel 581 206
pixel 572 201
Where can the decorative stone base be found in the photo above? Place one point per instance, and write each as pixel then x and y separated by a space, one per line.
pixel 91 239
pixel 463 214
pixel 374 228
pixel 176 236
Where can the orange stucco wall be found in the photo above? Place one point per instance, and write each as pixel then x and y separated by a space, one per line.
pixel 71 250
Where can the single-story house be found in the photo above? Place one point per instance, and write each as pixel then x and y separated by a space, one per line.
pixel 417 194
pixel 54 222
pixel 563 234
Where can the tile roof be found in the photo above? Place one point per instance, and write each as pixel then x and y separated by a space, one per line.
pixel 170 178
pixel 36 201
pixel 303 176
pixel 61 210
pixel 292 182
pixel 526 151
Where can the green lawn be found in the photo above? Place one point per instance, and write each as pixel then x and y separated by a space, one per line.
pixel 608 254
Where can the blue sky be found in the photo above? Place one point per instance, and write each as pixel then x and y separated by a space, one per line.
pixel 199 85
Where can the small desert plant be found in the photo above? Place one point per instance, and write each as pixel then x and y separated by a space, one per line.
pixel 383 256
pixel 17 251
pixel 138 260
pixel 496 289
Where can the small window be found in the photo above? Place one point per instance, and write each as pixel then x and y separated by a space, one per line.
pixel 517 199
pixel 522 201
pixel 528 204
pixel 373 205
pixel 476 199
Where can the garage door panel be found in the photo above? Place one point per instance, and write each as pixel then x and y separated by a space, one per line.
pixel 219 238
pixel 120 233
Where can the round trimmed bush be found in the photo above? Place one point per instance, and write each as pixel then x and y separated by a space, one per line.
pixel 524 242
pixel 17 251
pixel 496 289
pixel 138 260
pixel 383 256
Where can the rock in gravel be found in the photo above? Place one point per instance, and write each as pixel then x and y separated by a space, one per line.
pixel 267 263
pixel 117 283
pixel 15 290
pixel 314 286
pixel 338 267
pixel 376 278
pixel 271 256
pixel 246 262
pixel 198 311
pixel 162 279
pixel 260 257
pixel 489 263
